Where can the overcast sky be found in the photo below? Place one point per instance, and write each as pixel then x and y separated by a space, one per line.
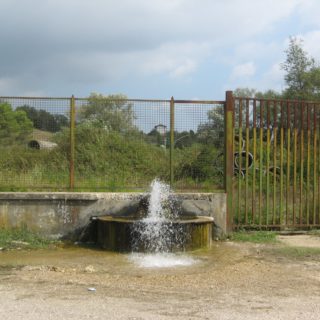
pixel 189 49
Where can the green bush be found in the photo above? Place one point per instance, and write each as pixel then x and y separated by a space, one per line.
pixel 114 157
pixel 14 125
pixel 198 163
pixel 22 237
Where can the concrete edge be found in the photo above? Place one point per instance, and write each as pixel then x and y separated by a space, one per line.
pixel 92 196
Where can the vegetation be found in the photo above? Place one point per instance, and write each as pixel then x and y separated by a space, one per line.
pixel 44 120
pixel 111 113
pixel 297 252
pixel 22 238
pixel 302 76
pixel 302 73
pixel 14 125
pixel 255 237
pixel 110 151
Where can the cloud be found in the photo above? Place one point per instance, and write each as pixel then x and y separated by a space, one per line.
pixel 308 14
pixel 245 70
pixel 185 68
pixel 6 83
pixel 311 43
pixel 54 45
pixel 174 59
pixel 272 78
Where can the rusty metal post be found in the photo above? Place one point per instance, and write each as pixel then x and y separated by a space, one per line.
pixel 275 137
pixel 247 164
pixel 171 139
pixel 228 156
pixel 261 159
pixel 281 161
pixel 254 161
pixel 239 200
pixel 268 163
pixel 314 209
pixel 301 163
pixel 72 142
pixel 288 160
pixel 308 162
pixel 295 152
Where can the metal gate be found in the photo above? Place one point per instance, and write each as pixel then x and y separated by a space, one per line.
pixel 276 168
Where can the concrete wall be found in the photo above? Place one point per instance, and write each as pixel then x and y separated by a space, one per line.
pixel 67 214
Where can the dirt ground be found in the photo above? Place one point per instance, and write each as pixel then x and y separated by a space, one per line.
pixel 230 281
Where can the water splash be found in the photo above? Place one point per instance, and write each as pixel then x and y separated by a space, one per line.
pixel 161 260
pixel 156 232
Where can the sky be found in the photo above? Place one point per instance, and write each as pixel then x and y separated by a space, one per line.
pixel 189 49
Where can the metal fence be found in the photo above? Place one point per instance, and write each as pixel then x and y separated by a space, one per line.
pixel 265 154
pixel 110 144
pixel 276 163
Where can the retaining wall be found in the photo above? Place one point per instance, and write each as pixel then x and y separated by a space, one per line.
pixel 67 214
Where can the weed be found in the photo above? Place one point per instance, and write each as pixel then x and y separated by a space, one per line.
pixel 255 237
pixel 22 238
pixel 297 252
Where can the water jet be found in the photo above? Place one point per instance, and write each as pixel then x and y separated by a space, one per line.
pixel 157 228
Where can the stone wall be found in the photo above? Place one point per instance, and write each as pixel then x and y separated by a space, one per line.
pixel 68 215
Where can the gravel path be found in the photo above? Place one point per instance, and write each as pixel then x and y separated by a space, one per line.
pixel 231 281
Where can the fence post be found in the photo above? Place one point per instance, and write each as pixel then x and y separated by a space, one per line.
pixel 72 142
pixel 228 156
pixel 171 139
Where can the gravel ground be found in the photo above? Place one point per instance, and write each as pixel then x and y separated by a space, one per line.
pixel 230 281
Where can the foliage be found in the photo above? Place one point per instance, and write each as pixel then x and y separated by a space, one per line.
pixel 255 237
pixel 212 131
pixel 111 113
pixel 182 139
pixel 185 139
pixel 44 120
pixel 22 237
pixel 197 162
pixel 155 137
pixel 302 74
pixel 244 92
pixel 14 125
pixel 114 156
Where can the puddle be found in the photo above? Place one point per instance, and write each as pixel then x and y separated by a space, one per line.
pixel 161 260
pixel 91 260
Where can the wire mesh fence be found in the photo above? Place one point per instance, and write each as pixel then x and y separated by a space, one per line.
pixel 110 143
pixel 29 132
pixel 199 145
pixel 271 171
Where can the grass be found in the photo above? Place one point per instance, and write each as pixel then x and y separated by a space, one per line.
pixel 110 161
pixel 22 238
pixel 297 252
pixel 255 237
pixel 315 232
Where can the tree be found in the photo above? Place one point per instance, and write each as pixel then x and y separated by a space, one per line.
pixel 302 74
pixel 244 92
pixel 184 139
pixel 155 137
pixel 14 125
pixel 44 120
pixel 212 131
pixel 112 113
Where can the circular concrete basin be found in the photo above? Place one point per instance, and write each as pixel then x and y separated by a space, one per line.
pixel 117 233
